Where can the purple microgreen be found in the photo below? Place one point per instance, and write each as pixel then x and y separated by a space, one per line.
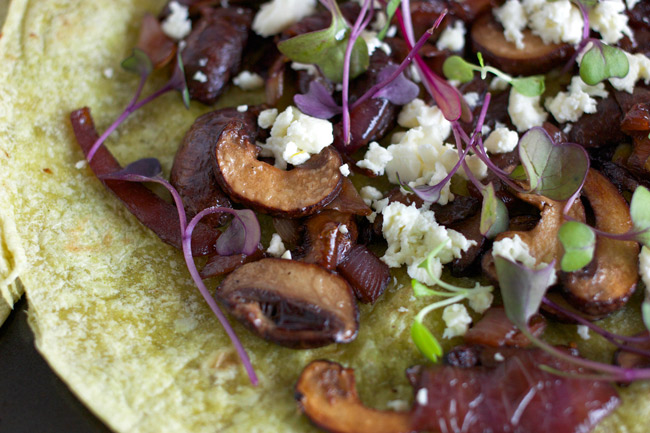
pixel 645 313
pixel 328 48
pixel 553 170
pixel 579 243
pixel 391 7
pixel 522 289
pixel 494 214
pixel 317 102
pixel 176 82
pixel 242 235
pixel 585 34
pixel 640 213
pixel 601 62
pixel 424 340
pixel 138 63
pixel 399 91
pixel 141 171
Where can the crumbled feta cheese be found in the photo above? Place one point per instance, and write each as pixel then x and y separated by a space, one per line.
pixel 344 229
pixel 631 3
pixel 267 118
pixel 457 320
pixel 276 247
pixel 203 61
pixel 248 81
pixel 498 357
pixel 200 77
pixel 514 249
pixel 398 405
pixel 391 32
pixel 80 164
pixel 644 267
pixel 639 70
pixel 375 159
pixel 498 84
pixel 369 194
pixel 513 18
pixel 403 310
pixel 177 25
pixel 472 99
pixel 108 73
pixel 422 396
pixel 242 108
pixel 570 106
pixel 418 113
pixel 296 136
pixel 452 38
pixel 345 170
pixel 286 255
pixel 525 111
pixel 373 42
pixel 583 332
pixel 501 140
pixel 411 233
pixel 310 69
pixel 480 298
pixel 610 20
pixel 556 21
pixel 277 15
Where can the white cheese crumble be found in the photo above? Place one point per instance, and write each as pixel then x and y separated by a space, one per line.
pixel 422 396
pixel 644 267
pixel 513 19
pixel 610 20
pixel 556 21
pixel 267 118
pixel 375 159
pixel 498 357
pixel 525 111
pixel 373 42
pixel 286 255
pixel 276 247
pixel 247 80
pixel 571 105
pixel 80 164
pixel 345 170
pixel 369 194
pixel 275 16
pixel 516 250
pixel 177 25
pixel 200 77
pixel 203 61
pixel 452 38
pixel 501 140
pixel 242 108
pixel 411 233
pixel 296 136
pixel 631 3
pixel 583 332
pixel 108 73
pixel 472 99
pixel 639 70
pixel 310 69
pixel 344 229
pixel 457 320
pixel 480 300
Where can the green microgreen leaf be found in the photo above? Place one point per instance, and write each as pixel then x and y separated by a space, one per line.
pixel 391 7
pixel 556 171
pixel 420 290
pixel 640 213
pixel 480 59
pixel 425 341
pixel 457 68
pixel 185 91
pixel 519 173
pixel 494 214
pixel 645 312
pixel 529 86
pixel 138 63
pixel 522 289
pixel 579 243
pixel 326 48
pixel 601 62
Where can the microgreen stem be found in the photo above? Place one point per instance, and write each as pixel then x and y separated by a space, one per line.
pixel 429 308
pixel 585 36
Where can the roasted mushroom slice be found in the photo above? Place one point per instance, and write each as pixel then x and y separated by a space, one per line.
pixel 608 282
pixel 291 303
pixel 301 191
pixel 327 393
pixel 329 236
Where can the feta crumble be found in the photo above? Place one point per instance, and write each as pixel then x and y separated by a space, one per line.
pixel 610 20
pixel 375 159
pixel 267 117
pixel 525 111
pixel 571 105
pixel 513 19
pixel 248 81
pixel 639 70
pixel 501 140
pixel 275 16
pixel 472 99
pixel 516 250
pixel 200 77
pixel 344 229
pixel 498 357
pixel 373 42
pixel 370 194
pixel 583 332
pixel 345 170
pixel 422 396
pixel 457 320
pixel 108 73
pixel 276 247
pixel 296 136
pixel 177 25
pixel 242 108
pixel 452 38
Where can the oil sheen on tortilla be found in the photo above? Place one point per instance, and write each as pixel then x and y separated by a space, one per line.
pixel 113 308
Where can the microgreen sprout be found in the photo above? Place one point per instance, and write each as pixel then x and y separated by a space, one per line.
pixel 424 340
pixel 579 243
pixel 457 68
pixel 391 7
pixel 242 236
pixel 139 63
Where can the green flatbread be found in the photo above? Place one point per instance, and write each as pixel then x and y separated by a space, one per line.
pixel 113 308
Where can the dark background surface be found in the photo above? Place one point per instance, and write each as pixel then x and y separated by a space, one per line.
pixel 32 398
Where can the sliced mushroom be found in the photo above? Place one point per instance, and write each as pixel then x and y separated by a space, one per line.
pixel 349 201
pixel 291 303
pixel 329 236
pixel 536 58
pixel 609 282
pixel 301 191
pixel 327 394
pixel 542 241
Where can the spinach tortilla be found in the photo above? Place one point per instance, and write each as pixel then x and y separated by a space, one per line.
pixel 113 309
